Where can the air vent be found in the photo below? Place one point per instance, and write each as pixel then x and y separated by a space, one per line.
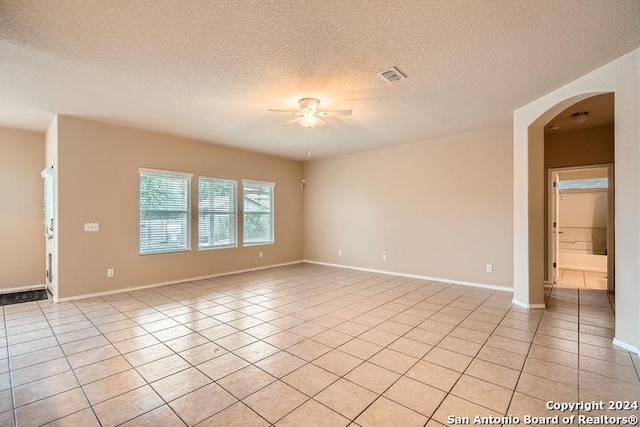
pixel 391 75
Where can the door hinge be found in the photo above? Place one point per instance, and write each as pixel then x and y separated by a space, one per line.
pixel 554 224
pixel 554 265
pixel 554 184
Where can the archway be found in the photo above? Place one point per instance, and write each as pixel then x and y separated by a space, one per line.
pixel 622 78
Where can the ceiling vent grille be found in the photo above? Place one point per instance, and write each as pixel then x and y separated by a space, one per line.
pixel 391 75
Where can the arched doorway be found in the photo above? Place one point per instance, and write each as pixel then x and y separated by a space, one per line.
pixel 620 77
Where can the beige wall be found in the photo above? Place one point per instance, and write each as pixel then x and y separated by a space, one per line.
pixel 98 182
pixel 440 208
pixel 591 146
pixel 21 215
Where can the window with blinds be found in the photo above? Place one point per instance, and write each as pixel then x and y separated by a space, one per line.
pixel 258 212
pixel 47 175
pixel 584 184
pixel 216 213
pixel 165 219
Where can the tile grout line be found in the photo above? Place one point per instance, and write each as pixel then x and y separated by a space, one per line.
pixel 10 372
pixel 352 338
pixel 419 359
pixel 463 373
pixel 189 299
pixel 515 387
pixel 74 375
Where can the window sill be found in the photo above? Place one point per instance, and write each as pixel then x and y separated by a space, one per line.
pixel 174 251
pixel 213 248
pixel 248 245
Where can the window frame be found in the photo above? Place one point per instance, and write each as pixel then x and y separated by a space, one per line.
pixel 235 213
pixel 188 176
pixel 271 211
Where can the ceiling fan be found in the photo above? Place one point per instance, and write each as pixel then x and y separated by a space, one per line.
pixel 309 114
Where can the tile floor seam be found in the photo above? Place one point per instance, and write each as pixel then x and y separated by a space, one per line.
pixel 418 361
pixel 463 373
pixel 521 370
pixel 13 400
pixel 387 296
pixel 74 375
pixel 134 368
pixel 383 348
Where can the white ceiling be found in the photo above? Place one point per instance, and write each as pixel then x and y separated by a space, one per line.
pixel 210 69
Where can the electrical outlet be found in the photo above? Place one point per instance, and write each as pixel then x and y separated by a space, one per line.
pixel 489 268
pixel 260 254
pixel 110 272
pixel 339 252
pixel 384 257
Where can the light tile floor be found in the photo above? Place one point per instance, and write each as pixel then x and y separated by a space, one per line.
pixel 306 345
pixel 579 279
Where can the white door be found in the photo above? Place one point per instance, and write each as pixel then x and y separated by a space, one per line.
pixel 49 228
pixel 555 233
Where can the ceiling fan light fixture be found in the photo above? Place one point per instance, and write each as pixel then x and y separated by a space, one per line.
pixel 308 119
pixel 580 116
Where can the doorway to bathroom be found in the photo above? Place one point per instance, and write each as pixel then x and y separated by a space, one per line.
pixel 581 227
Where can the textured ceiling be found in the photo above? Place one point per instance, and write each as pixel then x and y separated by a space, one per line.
pixel 210 69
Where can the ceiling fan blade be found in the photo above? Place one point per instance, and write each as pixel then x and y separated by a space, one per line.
pixel 334 113
pixel 289 123
pixel 281 111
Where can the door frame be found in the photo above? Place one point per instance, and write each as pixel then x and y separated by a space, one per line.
pixel 551 241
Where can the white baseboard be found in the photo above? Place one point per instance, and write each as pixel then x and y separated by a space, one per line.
pixel 415 276
pixel 171 282
pixel 628 347
pixel 22 289
pixel 526 306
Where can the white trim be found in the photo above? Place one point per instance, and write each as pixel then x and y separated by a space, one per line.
pixel 416 276
pixel 164 172
pixel 170 282
pixel 22 289
pixel 537 306
pixel 628 347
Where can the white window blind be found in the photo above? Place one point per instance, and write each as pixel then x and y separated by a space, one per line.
pixel 583 184
pixel 165 219
pixel 216 213
pixel 258 212
pixel 47 175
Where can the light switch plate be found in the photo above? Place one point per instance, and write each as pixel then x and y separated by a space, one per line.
pixel 91 227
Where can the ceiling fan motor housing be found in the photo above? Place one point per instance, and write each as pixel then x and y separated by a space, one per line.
pixel 309 104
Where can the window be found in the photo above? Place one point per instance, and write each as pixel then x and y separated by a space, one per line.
pixel 258 212
pixel 47 175
pixel 216 213
pixel 165 218
pixel 583 184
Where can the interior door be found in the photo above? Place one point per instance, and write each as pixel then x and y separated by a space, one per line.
pixel 555 234
pixel 49 228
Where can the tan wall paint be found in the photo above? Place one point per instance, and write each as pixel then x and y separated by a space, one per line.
pixel 591 146
pixel 440 208
pixel 98 182
pixel 21 215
